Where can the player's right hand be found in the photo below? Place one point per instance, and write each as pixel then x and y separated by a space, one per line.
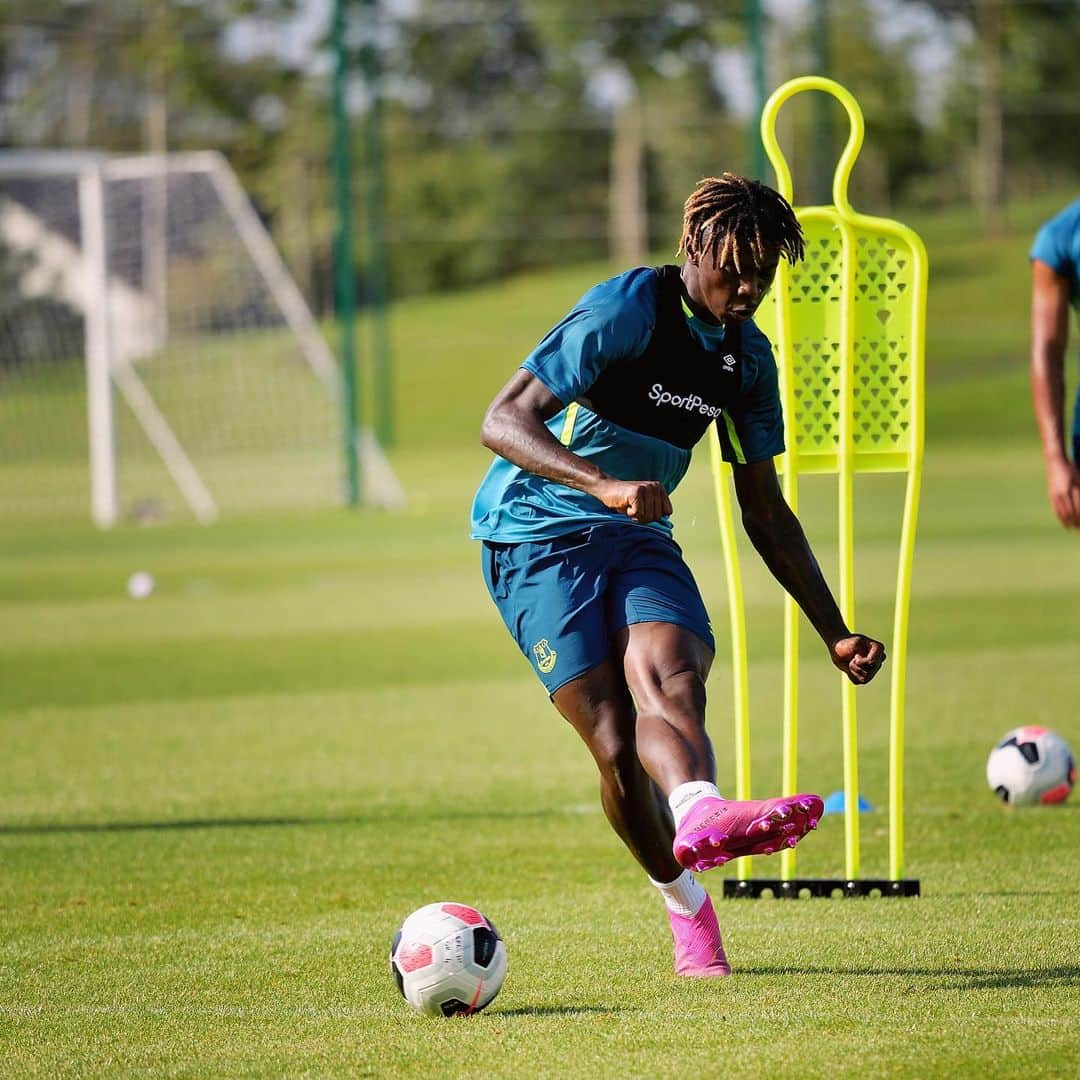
pixel 1063 487
pixel 642 500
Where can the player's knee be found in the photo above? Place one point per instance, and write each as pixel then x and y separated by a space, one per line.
pixel 684 687
pixel 675 697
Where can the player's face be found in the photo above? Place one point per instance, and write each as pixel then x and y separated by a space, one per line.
pixel 729 295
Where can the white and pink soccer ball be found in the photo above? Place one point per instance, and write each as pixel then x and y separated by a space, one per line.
pixel 1031 765
pixel 448 960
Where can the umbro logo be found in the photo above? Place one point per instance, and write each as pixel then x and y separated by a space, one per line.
pixel 729 362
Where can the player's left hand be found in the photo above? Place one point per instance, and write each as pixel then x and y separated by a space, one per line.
pixel 858 657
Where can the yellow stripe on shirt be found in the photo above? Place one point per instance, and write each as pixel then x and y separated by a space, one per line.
pixel 568 423
pixel 733 435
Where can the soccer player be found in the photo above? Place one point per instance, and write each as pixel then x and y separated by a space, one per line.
pixel 1055 282
pixel 593 433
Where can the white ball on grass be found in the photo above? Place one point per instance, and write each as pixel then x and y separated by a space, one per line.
pixel 1031 765
pixel 448 960
pixel 140 585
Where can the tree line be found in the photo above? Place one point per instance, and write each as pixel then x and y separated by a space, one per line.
pixel 516 134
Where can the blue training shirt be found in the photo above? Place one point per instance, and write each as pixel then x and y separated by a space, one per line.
pixel 616 320
pixel 1057 244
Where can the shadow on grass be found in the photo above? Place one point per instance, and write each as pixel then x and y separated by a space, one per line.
pixel 960 978
pixel 267 822
pixel 978 894
pixel 557 1010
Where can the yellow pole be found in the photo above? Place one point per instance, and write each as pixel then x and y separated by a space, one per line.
pixel 898 659
pixel 906 561
pixel 845 499
pixel 737 619
pixel 790 735
pixel 845 464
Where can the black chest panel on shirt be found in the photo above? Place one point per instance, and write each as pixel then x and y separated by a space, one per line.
pixel 676 388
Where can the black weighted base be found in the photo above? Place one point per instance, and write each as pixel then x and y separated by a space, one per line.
pixel 758 888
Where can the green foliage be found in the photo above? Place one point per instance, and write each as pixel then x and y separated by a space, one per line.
pixel 1040 84
pixel 707 141
pixel 93 72
pixel 894 151
pixel 497 147
pixel 1043 85
pixel 644 39
pixel 472 194
pixel 30 324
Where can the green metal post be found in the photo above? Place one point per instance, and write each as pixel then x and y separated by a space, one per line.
pixel 376 247
pixel 344 269
pixel 755 28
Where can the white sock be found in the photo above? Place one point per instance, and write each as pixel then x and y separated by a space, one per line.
pixel 685 795
pixel 684 895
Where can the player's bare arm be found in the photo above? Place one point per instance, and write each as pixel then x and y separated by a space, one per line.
pixel 514 428
pixel 1049 338
pixel 778 537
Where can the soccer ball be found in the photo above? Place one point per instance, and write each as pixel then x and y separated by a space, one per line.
pixel 140 585
pixel 448 960
pixel 1031 765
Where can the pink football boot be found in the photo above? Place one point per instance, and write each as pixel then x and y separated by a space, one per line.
pixel 699 952
pixel 716 831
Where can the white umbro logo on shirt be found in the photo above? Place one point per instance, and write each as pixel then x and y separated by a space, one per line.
pixel 729 362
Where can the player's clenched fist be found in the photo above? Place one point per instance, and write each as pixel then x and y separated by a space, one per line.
pixel 858 657
pixel 642 500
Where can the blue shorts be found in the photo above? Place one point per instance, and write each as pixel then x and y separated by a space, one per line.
pixel 564 599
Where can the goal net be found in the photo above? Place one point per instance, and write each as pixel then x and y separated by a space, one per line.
pixel 156 358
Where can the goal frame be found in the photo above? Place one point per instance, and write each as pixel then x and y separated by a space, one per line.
pixel 108 370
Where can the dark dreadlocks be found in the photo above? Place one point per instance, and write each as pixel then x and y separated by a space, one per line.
pixel 739 221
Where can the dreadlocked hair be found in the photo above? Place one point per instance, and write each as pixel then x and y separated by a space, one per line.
pixel 740 222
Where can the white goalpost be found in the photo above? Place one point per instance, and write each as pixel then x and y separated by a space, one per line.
pixel 152 280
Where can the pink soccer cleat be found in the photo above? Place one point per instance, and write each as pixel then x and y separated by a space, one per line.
pixel 715 831
pixel 699 952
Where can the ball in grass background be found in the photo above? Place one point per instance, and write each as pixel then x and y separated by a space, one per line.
pixel 448 960
pixel 140 585
pixel 1031 765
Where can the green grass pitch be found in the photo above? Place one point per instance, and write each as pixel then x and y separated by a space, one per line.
pixel 216 804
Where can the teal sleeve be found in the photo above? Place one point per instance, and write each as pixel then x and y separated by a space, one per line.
pixel 1050 248
pixel 1057 244
pixel 612 320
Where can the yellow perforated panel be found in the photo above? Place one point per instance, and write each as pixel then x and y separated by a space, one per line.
pixel 851 323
